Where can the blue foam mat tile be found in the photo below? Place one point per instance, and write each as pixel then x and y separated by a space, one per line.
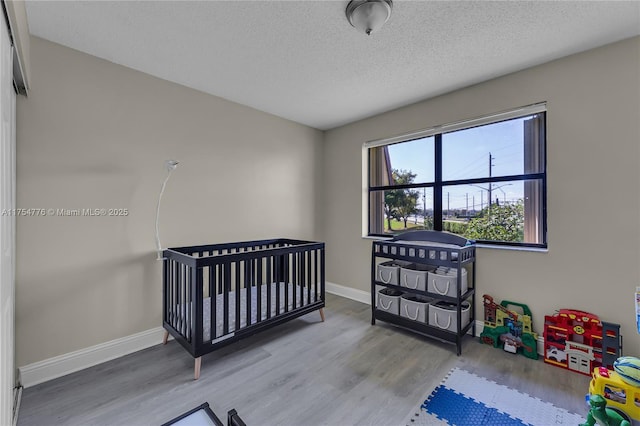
pixel 457 409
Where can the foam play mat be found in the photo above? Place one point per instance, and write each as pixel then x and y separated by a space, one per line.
pixel 465 399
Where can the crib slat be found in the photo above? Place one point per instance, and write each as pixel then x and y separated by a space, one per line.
pixel 294 280
pixel 170 285
pixel 269 281
pixel 258 282
pixel 315 273
pixel 278 268
pixel 179 298
pixel 301 279
pixel 247 289
pixel 286 280
pixel 185 301
pixel 174 295
pixel 213 271
pixel 227 289
pixel 307 275
pixel 180 303
pixel 187 304
pixel 238 293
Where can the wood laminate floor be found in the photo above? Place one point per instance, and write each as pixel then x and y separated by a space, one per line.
pixel 340 372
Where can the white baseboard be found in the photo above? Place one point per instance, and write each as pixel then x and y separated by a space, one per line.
pixel 348 292
pixel 52 368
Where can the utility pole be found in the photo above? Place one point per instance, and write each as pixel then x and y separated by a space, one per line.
pixel 481 200
pixel 424 203
pixel 491 158
pixel 448 212
pixel 473 198
pixel 467 211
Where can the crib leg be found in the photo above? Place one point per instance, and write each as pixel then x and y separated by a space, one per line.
pixel 165 338
pixel 322 314
pixel 196 369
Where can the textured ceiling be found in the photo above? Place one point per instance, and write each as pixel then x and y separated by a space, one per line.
pixel 301 60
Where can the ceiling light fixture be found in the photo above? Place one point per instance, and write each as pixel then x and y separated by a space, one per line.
pixel 369 15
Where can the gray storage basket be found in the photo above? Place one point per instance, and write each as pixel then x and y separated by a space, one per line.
pixel 443 315
pixel 414 276
pixel 443 281
pixel 388 272
pixel 389 300
pixel 415 307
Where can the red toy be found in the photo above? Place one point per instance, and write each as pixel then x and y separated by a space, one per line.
pixel 580 342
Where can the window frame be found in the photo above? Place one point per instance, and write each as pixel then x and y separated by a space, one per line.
pixel 438 184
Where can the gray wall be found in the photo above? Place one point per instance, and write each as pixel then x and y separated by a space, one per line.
pixel 593 139
pixel 93 134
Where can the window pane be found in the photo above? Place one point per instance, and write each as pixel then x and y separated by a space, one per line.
pixel 395 211
pixel 512 147
pixel 514 214
pixel 414 158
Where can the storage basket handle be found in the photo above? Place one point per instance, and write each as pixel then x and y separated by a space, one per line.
pixel 382 277
pixel 441 293
pixel 435 317
pixel 406 311
pixel 386 308
pixel 406 284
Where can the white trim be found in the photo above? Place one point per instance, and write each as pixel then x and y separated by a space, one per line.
pixel 348 292
pixel 460 125
pixel 61 365
pixel 365 190
pixel 512 248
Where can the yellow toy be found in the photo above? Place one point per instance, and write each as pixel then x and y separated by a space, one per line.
pixel 619 395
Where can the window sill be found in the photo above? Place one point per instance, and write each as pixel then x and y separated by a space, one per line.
pixel 375 237
pixel 513 248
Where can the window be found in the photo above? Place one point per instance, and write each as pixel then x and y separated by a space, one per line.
pixel 484 179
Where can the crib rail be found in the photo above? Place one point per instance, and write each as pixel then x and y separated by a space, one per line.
pixel 215 294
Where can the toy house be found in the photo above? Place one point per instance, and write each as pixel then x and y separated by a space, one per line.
pixel 580 342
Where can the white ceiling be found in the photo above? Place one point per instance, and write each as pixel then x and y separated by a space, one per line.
pixel 301 60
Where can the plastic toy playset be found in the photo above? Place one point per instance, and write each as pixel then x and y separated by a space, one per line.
pixel 580 342
pixel 506 328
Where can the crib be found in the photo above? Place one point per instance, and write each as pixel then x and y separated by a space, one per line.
pixel 214 295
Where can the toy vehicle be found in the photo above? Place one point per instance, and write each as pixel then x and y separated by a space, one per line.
pixel 510 346
pixel 620 396
pixel 556 354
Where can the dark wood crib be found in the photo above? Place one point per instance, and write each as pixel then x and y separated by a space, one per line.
pixel 216 294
